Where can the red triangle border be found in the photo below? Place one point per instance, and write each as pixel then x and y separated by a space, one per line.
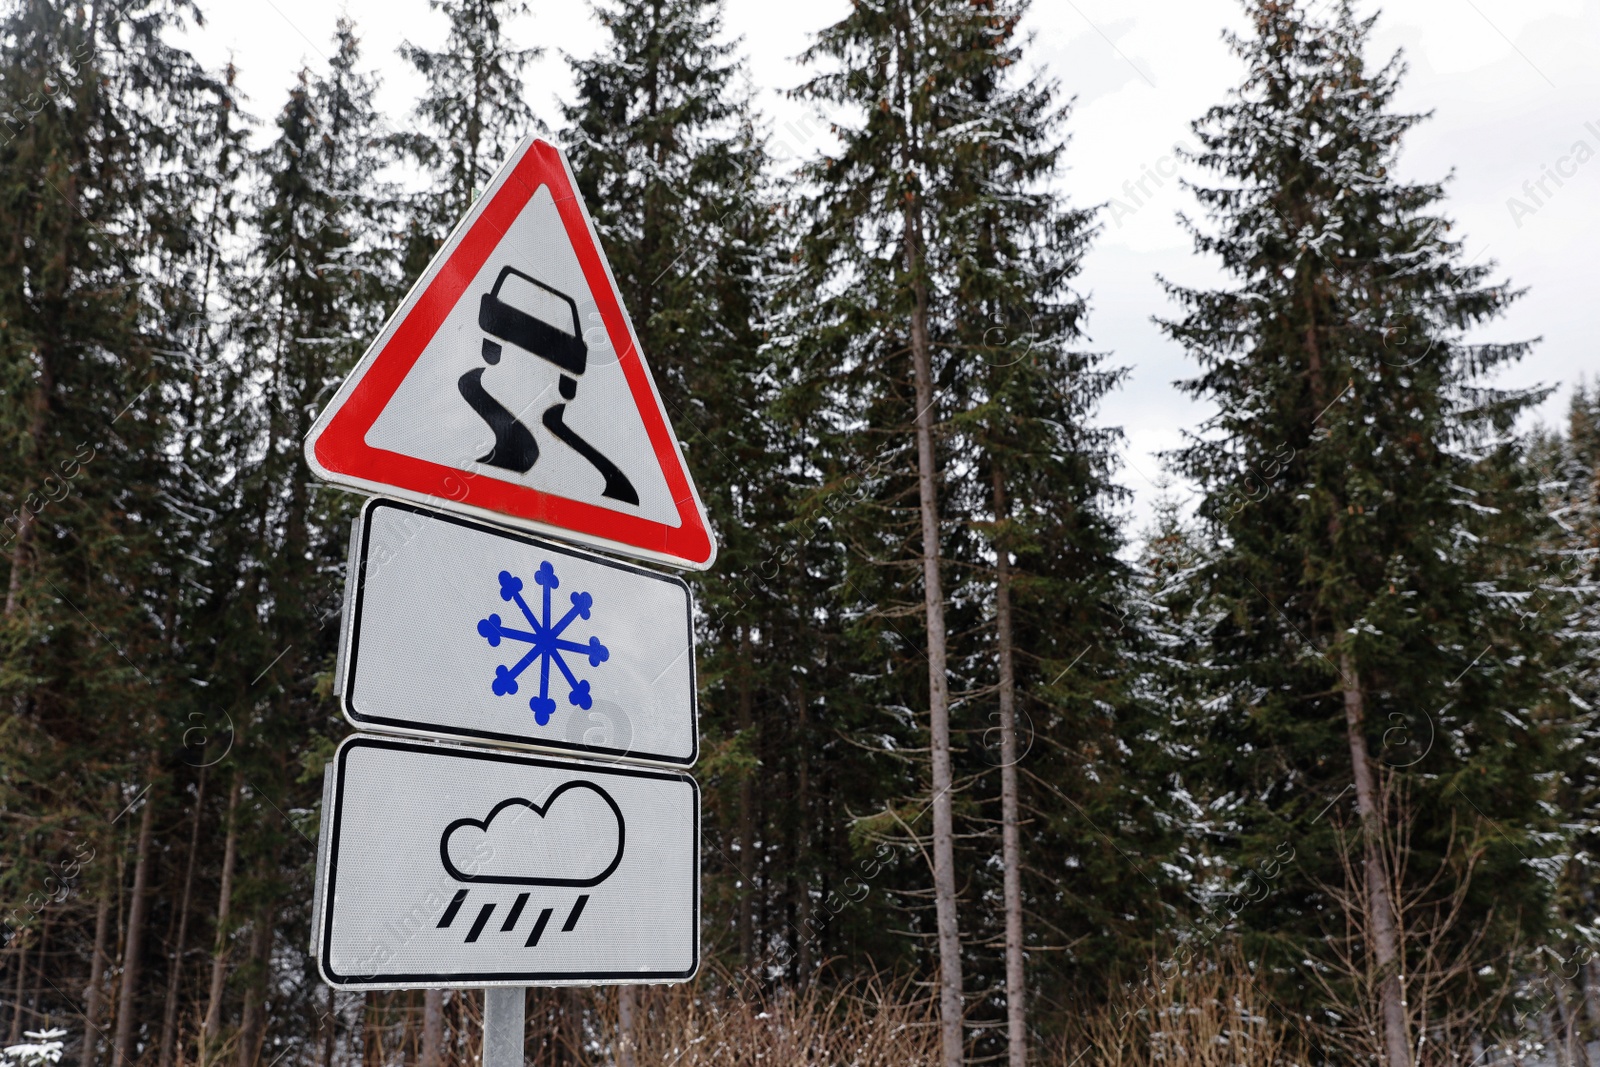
pixel 341 450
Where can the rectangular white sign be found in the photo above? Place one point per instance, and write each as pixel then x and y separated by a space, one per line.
pixel 459 629
pixel 443 866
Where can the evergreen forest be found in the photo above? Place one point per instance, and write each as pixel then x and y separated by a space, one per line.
pixel 1306 772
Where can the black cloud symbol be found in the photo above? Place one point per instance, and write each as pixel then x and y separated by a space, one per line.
pixel 587 834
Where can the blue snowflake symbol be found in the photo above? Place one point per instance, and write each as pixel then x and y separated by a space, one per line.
pixel 545 643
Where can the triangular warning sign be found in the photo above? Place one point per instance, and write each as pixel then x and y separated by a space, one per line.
pixel 509 384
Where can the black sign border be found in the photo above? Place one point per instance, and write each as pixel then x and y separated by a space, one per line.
pixel 479 979
pixel 355 588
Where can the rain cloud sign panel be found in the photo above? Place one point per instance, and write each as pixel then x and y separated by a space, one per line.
pixel 449 866
pixel 460 629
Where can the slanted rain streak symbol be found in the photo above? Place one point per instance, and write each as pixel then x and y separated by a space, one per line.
pixel 510 923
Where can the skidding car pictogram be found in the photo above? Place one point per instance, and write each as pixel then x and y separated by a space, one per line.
pixel 470 400
pixel 514 446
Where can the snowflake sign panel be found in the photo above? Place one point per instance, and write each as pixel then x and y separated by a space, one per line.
pixel 458 629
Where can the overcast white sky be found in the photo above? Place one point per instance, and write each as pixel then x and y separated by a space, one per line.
pixel 1514 86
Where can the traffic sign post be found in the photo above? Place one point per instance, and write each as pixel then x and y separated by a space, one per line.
pixel 458 629
pixel 450 867
pixel 509 387
pixel 503 1025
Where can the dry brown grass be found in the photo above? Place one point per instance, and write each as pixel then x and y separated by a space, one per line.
pixel 705 1024
pixel 1209 1014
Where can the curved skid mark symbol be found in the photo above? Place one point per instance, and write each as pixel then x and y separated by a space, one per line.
pixel 539 810
pixel 617 486
pixel 514 447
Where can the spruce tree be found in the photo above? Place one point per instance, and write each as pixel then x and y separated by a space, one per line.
pixel 664 147
pixel 958 253
pixel 1568 467
pixel 313 294
pixel 933 357
pixel 108 139
pixel 1372 529
pixel 868 250
pixel 472 114
pixel 1066 736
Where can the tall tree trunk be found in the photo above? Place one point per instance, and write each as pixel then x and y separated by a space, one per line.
pixel 1382 925
pixel 19 556
pixel 38 970
pixel 432 1027
pixel 1591 991
pixel 252 1018
pixel 627 1004
pixel 169 1018
pixel 119 934
pixel 21 953
pixel 122 1050
pixel 747 822
pixel 951 1010
pixel 803 835
pixel 219 947
pixel 1010 835
pixel 944 865
pixel 97 972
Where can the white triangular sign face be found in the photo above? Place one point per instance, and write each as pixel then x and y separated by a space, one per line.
pixel 509 384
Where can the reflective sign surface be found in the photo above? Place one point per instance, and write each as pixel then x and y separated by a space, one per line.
pixel 509 384
pixel 459 629
pixel 448 866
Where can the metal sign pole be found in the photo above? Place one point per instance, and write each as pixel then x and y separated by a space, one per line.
pixel 503 1025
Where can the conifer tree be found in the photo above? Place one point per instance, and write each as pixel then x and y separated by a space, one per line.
pixel 1372 528
pixel 1041 472
pixel 103 150
pixel 1568 466
pixel 664 147
pixel 472 113
pixel 871 233
pixel 319 283
pixel 941 259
